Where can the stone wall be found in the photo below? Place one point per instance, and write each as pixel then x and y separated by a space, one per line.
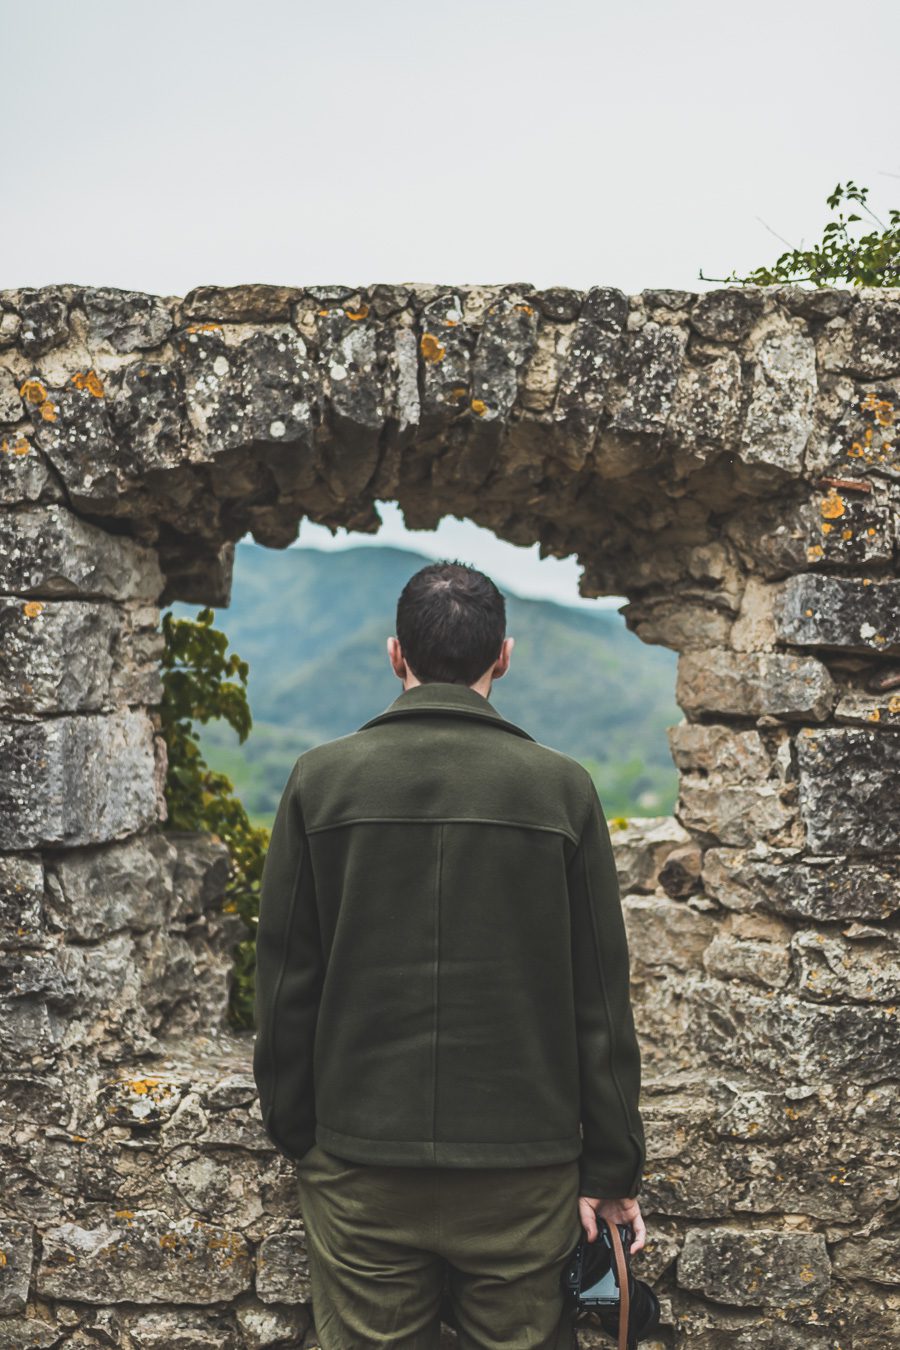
pixel 726 461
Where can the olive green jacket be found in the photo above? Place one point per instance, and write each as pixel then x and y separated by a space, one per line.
pixel 442 971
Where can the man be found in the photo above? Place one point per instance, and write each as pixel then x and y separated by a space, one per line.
pixel 445 1042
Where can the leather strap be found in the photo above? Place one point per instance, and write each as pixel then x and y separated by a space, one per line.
pixel 622 1277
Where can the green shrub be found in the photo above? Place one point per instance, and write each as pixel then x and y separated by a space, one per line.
pixel 202 684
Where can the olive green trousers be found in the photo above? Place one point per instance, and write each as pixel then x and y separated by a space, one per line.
pixel 394 1250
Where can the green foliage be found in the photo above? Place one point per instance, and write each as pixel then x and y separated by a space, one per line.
pixel 872 259
pixel 202 684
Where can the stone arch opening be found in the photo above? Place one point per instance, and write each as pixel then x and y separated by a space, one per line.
pixel 725 460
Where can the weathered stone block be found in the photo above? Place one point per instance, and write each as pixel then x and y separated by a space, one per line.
pixel 241 304
pixel 848 789
pixel 827 889
pixel 664 932
pixel 93 892
pixel 73 656
pixel 864 969
pixel 727 314
pixel 142 1256
pixel 263 1326
pixel 777 536
pixel 754 1268
pixel 16 1255
pixel 649 373
pixel 732 789
pixel 589 364
pixel 706 407
pixel 791 1036
pixel 50 552
pixel 752 948
pixel 643 847
pixel 258 389
pixel 747 684
pixel 874 1258
pixel 27 1333
pixel 44 319
pixel 21 901
pixel 868 344
pixel 779 419
pixel 78 780
pixel 282 1268
pixel 844 612
pixel 126 320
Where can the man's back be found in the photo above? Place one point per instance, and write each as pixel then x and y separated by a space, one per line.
pixel 441 959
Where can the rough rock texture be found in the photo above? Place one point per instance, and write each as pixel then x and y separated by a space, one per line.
pixel 728 461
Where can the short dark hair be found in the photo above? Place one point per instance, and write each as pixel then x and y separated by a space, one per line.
pixel 451 622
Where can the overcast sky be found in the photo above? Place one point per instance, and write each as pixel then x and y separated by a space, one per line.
pixel 165 146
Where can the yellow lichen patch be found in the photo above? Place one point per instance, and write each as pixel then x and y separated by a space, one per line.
pixel 33 391
pixel 525 309
pixel 478 406
pixel 833 505
pixel 32 608
pixel 815 551
pixel 881 407
pixel 894 704
pixel 79 1138
pixel 3 1260
pixel 357 313
pixel 875 715
pixel 323 313
pixel 168 1241
pixel 431 349
pixel 48 410
pixel 203 327
pixel 90 381
pixel 847 533
pixel 19 446
pixel 827 527
pixel 142 1086
pixel 124 1213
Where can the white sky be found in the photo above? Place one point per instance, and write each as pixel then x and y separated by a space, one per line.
pixel 161 147
pixel 519 570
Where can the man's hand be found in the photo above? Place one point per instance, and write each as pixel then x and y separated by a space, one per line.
pixel 614 1211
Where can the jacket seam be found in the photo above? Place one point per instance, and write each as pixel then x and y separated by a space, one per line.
pixel 492 719
pixel 613 1039
pixel 442 820
pixel 292 908
pixel 463 1143
pixel 436 980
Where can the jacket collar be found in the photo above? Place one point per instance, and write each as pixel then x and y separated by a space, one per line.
pixel 445 699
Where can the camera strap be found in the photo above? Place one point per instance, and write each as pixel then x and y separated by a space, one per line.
pixel 622 1279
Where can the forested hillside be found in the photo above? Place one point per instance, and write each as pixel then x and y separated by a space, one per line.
pixel 313 626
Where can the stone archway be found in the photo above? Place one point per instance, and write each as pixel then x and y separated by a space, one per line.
pixel 726 461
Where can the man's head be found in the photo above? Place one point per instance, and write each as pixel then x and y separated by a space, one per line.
pixel 451 625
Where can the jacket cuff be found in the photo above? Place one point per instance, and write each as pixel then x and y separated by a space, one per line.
pixel 607 1187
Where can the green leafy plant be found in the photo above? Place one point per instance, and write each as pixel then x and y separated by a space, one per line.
pixel 872 259
pixel 202 683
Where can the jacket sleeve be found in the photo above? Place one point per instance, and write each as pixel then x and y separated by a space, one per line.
pixel 612 1158
pixel 289 977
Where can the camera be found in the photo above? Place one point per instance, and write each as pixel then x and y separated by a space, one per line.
pixel 595 1277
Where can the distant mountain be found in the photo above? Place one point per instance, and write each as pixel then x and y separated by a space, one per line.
pixel 313 626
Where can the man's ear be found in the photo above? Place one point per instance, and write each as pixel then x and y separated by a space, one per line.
pixel 395 655
pixel 502 664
